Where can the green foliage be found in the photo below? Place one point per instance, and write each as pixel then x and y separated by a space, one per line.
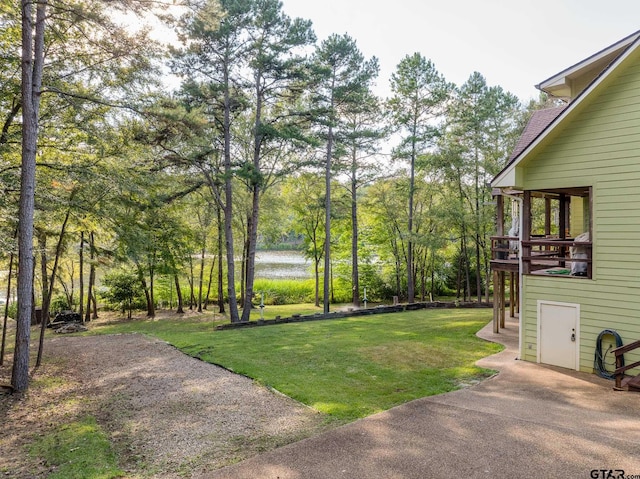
pixel 277 292
pixel 123 289
pixel 59 303
pixel 13 310
pixel 420 94
pixel 150 185
pixel 77 450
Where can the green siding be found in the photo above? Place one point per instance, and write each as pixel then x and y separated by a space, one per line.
pixel 598 146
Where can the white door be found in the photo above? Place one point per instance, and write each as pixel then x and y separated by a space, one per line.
pixel 558 334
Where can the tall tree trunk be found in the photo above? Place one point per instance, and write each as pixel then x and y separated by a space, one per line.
pixel 94 302
pixel 252 239
pixel 333 293
pixel 220 265
pixel 396 257
pixel 423 276
pixel 147 293
pixel 42 246
pixel 151 311
pixel 486 259
pixel 33 293
pixel 44 310
pixel 191 280
pixel 459 273
pixel 327 220
pixel 432 294
pixel 46 304
pixel 228 201
pixel 479 272
pixel 179 309
pixel 81 267
pixel 316 268
pixel 32 67
pixel 412 183
pixel 92 276
pixel 355 274
pixel 243 272
pixel 248 264
pixel 6 306
pixel 467 271
pixel 463 242
pixel 256 186
pixel 477 225
pixel 202 255
pixel 206 299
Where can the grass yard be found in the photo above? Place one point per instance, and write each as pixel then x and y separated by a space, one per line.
pixel 61 446
pixel 347 368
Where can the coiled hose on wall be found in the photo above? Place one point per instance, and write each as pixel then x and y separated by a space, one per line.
pixel 599 357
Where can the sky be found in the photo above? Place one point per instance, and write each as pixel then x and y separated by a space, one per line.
pixel 514 44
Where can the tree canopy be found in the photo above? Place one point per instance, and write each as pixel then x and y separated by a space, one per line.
pixel 175 161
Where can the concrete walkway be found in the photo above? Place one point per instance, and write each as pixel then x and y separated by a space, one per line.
pixel 528 421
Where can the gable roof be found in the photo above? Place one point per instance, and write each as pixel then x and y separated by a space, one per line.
pixel 538 122
pixel 507 176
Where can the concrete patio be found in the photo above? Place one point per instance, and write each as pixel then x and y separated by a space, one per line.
pixel 527 421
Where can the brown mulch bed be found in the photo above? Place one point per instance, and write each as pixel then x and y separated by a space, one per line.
pixel 168 415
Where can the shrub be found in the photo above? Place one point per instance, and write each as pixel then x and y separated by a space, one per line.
pixel 59 303
pixel 124 290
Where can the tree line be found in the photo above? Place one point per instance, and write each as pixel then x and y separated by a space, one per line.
pixel 179 159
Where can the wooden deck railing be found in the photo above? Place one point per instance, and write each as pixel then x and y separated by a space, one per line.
pixel 548 253
pixel 540 254
pixel 504 247
pixel 620 369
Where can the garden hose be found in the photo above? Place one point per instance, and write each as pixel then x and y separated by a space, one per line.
pixel 599 357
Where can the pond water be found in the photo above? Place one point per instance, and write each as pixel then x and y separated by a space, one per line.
pixel 272 264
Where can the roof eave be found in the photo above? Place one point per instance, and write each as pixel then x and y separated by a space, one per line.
pixel 507 177
pixel 560 79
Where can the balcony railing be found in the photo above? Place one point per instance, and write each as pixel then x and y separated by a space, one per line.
pixel 557 257
pixel 548 256
pixel 504 247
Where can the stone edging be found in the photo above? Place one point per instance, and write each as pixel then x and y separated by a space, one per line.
pixel 382 309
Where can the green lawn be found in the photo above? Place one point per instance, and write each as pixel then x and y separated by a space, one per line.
pixel 78 450
pixel 346 368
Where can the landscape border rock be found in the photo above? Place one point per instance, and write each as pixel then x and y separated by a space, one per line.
pixel 382 309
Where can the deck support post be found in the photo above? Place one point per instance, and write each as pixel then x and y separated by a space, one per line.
pixel 512 295
pixel 496 302
pixel 502 298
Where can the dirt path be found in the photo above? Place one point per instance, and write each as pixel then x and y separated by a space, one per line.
pixel 169 415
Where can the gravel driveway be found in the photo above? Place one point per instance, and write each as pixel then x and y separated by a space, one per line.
pixel 168 414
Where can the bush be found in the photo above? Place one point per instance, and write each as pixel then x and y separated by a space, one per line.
pixel 59 303
pixel 13 310
pixel 123 290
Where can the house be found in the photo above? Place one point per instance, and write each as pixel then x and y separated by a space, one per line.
pixel 573 183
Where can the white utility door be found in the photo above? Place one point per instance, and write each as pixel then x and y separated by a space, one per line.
pixel 558 334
